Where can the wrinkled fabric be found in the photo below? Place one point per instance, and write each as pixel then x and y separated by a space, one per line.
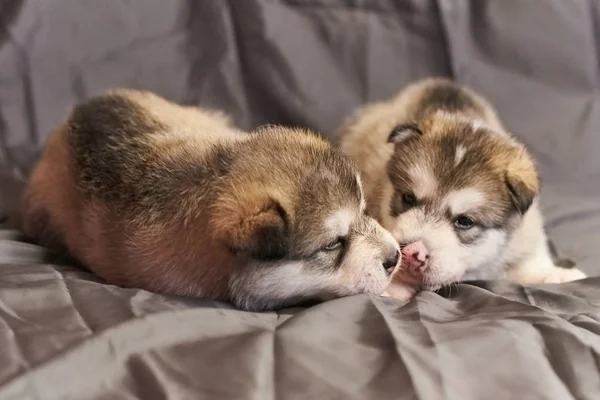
pixel 66 335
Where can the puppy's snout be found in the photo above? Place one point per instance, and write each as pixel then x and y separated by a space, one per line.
pixel 415 257
pixel 391 262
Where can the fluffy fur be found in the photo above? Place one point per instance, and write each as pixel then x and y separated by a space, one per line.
pixel 173 199
pixel 457 191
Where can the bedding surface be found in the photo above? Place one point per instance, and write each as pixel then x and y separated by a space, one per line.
pixel 64 334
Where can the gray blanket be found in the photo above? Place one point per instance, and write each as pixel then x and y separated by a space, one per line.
pixel 66 335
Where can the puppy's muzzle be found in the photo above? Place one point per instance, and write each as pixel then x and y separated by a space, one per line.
pixel 391 262
pixel 415 258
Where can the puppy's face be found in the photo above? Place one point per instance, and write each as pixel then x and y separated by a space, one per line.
pixel 298 226
pixel 455 194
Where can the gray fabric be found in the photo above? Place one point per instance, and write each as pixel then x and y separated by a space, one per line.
pixel 66 335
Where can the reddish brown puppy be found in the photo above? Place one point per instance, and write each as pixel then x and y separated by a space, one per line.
pixel 173 199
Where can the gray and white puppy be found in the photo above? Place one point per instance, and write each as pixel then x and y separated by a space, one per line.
pixel 457 191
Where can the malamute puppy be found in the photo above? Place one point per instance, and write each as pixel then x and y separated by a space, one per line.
pixel 152 195
pixel 457 191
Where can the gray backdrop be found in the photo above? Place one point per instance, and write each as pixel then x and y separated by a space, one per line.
pixel 64 334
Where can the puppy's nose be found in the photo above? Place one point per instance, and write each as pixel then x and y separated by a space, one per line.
pixel 415 257
pixel 392 261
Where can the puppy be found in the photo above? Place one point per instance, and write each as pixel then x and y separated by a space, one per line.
pixel 173 199
pixel 457 191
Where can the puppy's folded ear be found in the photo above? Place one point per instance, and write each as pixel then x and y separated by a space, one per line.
pixel 403 132
pixel 522 180
pixel 252 223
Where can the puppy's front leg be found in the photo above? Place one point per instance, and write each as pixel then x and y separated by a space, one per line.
pixel 398 288
pixel 539 268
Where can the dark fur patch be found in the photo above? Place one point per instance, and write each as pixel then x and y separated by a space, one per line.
pixel 108 136
pixel 521 195
pixel 267 239
pixel 447 96
pixel 41 229
pixel 470 236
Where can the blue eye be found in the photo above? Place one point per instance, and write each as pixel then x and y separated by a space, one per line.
pixel 336 244
pixel 463 222
pixel 409 200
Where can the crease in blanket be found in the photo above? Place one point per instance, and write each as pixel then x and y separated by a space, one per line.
pixel 473 299
pixel 587 322
pixel 6 152
pixel 343 5
pixel 278 94
pixel 559 299
pixel 323 346
pixel 561 343
pixel 581 214
pixel 146 383
pixel 453 28
pixel 17 252
pixel 529 295
pixel 111 348
pixel 309 348
pixel 15 349
pixel 510 325
pixel 212 62
pixel 233 28
pixel 414 364
pixel 76 306
pixel 444 382
pixel 594 8
pixel 22 60
pixel 277 391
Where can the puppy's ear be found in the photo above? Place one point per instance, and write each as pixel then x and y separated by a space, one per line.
pixel 403 132
pixel 254 224
pixel 522 180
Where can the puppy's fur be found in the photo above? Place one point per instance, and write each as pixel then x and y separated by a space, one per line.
pixel 437 152
pixel 173 199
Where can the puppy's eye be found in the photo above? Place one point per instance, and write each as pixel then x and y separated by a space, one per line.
pixel 336 244
pixel 463 222
pixel 409 200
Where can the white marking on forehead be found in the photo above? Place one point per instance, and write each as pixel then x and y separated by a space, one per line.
pixel 363 202
pixel 478 124
pixel 450 116
pixel 338 223
pixel 464 200
pixel 423 180
pixel 459 154
pixel 475 123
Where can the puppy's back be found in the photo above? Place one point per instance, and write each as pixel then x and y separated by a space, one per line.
pixel 122 176
pixel 432 95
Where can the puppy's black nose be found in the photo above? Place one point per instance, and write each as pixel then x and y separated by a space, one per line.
pixel 392 261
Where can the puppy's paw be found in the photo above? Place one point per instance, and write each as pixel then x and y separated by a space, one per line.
pixel 400 291
pixel 400 286
pixel 561 275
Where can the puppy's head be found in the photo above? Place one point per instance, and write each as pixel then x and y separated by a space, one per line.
pixel 292 212
pixel 456 192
